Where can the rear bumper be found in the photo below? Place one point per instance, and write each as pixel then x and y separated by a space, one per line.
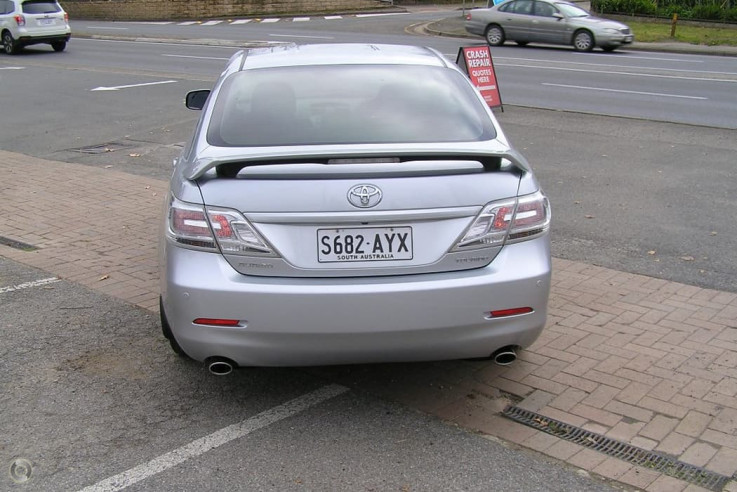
pixel 310 321
pixel 27 37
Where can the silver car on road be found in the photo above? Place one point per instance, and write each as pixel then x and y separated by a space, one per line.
pixel 350 203
pixel 548 22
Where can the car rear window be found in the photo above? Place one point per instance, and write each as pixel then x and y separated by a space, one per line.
pixel 44 7
pixel 347 104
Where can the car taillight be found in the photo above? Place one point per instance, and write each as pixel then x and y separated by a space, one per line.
pixel 214 228
pixel 20 20
pixel 531 218
pixel 507 221
pixel 66 17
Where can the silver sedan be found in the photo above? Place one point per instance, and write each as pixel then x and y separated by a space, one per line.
pixel 350 204
pixel 548 22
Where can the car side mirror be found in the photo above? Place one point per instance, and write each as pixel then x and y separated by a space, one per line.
pixel 196 99
pixel 558 15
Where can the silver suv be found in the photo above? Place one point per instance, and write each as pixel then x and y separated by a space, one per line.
pixel 26 22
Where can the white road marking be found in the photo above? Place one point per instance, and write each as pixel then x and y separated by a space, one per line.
pixel 108 28
pixel 626 92
pixel 29 285
pixel 632 67
pixel 333 17
pixel 118 87
pixel 216 439
pixel 300 19
pixel 633 74
pixel 382 15
pixel 637 57
pixel 159 43
pixel 187 23
pixel 12 68
pixel 241 21
pixel 211 23
pixel 269 21
pixel 294 36
pixel 196 57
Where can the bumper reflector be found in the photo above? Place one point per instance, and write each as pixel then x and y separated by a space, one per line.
pixel 501 313
pixel 217 322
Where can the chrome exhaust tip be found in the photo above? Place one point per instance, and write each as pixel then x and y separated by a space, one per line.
pixel 504 356
pixel 220 366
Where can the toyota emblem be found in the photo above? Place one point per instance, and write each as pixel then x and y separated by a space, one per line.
pixel 364 196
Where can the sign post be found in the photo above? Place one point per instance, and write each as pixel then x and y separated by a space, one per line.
pixel 477 63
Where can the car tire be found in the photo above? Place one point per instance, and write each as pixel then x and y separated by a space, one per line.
pixel 494 35
pixel 166 329
pixel 58 45
pixel 10 47
pixel 583 41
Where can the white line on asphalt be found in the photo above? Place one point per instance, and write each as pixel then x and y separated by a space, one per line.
pixel 241 21
pixel 12 68
pixel 634 67
pixel 160 43
pixel 29 285
pixel 382 15
pixel 634 56
pixel 108 28
pixel 197 57
pixel 216 439
pixel 626 92
pixel 703 79
pixel 211 23
pixel 269 21
pixel 300 19
pixel 293 36
pixel 333 17
pixel 118 87
pixel 187 23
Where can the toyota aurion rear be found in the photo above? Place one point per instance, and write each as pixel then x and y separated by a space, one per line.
pixel 346 204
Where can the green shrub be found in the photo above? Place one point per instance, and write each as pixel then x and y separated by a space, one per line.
pixel 708 12
pixel 640 7
pixel 730 15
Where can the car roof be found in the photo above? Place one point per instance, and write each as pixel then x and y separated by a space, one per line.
pixel 339 54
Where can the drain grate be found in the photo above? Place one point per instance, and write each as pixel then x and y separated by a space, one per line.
pixel 618 449
pixel 16 244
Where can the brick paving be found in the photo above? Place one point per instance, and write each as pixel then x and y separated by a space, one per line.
pixel 641 360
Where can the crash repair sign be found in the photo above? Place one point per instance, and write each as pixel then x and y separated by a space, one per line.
pixel 477 63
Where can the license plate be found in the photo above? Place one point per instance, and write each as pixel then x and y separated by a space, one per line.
pixel 628 39
pixel 364 244
pixel 46 22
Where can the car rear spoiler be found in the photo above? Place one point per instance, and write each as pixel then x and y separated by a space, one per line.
pixel 360 165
